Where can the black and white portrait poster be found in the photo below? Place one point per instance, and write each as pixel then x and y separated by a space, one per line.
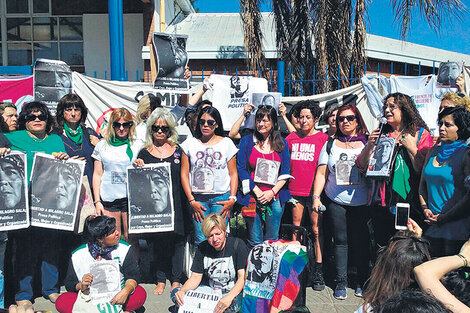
pixel 231 93
pixel 52 81
pixel 448 73
pixel 266 171
pixel 380 162
pixel 203 299
pixel 150 198
pixel 171 58
pixel 14 213
pixel 346 170
pixel 106 280
pixel 261 98
pixel 55 191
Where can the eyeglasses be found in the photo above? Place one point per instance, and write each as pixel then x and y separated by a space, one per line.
pixel 202 122
pixel 350 118
pixel 33 117
pixel 391 107
pixel 123 125
pixel 156 128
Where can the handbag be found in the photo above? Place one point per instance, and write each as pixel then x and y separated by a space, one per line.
pixel 86 207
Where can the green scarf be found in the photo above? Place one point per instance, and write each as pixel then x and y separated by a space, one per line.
pixel 75 135
pixel 401 177
pixel 118 142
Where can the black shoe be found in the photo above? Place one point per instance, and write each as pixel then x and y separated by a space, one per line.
pixel 318 281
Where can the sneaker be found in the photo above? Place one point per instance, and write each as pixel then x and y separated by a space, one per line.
pixel 318 281
pixel 340 291
pixel 358 292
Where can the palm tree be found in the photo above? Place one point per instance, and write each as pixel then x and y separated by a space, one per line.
pixel 331 23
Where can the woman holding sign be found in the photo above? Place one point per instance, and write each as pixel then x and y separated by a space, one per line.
pixel 263 166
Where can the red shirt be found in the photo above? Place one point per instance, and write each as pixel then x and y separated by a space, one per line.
pixel 255 155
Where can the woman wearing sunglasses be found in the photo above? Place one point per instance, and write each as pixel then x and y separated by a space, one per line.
pixel 36 245
pixel 263 166
pixel 208 170
pixel 112 156
pixel 161 146
pixel 346 196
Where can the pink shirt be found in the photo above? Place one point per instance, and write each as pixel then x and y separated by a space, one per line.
pixel 304 154
pixel 255 155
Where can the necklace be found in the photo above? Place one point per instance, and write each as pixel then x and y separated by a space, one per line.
pixel 35 139
pixel 161 151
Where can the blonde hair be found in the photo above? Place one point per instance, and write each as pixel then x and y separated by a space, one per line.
pixel 169 118
pixel 142 109
pixel 213 220
pixel 457 100
pixel 115 116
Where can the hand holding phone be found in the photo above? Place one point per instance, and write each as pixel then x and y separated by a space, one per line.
pixel 401 216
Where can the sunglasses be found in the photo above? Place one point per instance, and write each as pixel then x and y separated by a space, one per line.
pixel 32 117
pixel 156 128
pixel 202 122
pixel 350 118
pixel 123 125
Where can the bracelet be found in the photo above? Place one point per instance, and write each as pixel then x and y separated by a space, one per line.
pixel 316 197
pixel 192 200
pixel 97 202
pixel 274 194
pixel 464 259
pixel 132 287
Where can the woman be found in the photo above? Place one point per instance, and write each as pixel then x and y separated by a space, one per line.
pixel 393 271
pixel 208 170
pixel 329 117
pixel 263 200
pixel 102 243
pixel 9 117
pixel 112 157
pixel 220 263
pixel 346 196
pixel 36 244
pixel 147 104
pixel 305 146
pixel 443 194
pixel 79 140
pixel 161 146
pixel 452 99
pixel 413 141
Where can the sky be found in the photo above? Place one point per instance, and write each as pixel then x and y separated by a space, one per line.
pixel 453 35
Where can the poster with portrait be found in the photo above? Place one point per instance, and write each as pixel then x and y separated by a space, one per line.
pixel 231 93
pixel 346 171
pixel 381 160
pixel 448 73
pixel 106 281
pixel 14 213
pixel 52 81
pixel 203 299
pixel 150 198
pixel 171 59
pixel 266 171
pixel 261 98
pixel 55 191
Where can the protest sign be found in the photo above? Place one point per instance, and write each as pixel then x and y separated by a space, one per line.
pixel 448 73
pixel 261 98
pixel 381 160
pixel 150 198
pixel 55 191
pixel 14 213
pixel 106 281
pixel 203 299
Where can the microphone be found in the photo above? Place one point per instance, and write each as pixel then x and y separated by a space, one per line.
pixel 383 122
pixel 247 114
pixel 322 208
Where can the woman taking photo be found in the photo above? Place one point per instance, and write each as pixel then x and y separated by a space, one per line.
pixel 346 196
pixel 305 146
pixel 263 166
pixel 413 141
pixel 443 190
pixel 36 245
pixel 102 243
pixel 112 157
pixel 208 170
pixel 161 146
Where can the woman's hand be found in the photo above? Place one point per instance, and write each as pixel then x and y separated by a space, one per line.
pixel 460 82
pixel 4 151
pixel 139 163
pixel 187 72
pixel 373 137
pixel 120 297
pixel 228 204
pixel 99 208
pixel 94 140
pixel 282 109
pixel 198 209
pixel 414 227
pixel 248 108
pixel 266 196
pixel 179 296
pixel 86 282
pixel 316 205
pixel 61 156
pixel 223 304
pixel 410 142
pixel 431 218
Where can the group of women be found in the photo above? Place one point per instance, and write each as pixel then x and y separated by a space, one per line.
pixel 307 171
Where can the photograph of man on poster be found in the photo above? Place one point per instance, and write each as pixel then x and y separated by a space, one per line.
pixel 448 73
pixel 380 162
pixel 238 86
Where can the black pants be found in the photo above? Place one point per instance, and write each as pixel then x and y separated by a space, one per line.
pixel 168 255
pixel 383 223
pixel 439 247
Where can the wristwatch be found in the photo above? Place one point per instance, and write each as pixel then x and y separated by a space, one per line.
pixel 233 197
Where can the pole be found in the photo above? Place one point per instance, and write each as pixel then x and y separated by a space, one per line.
pixel 116 40
pixel 280 77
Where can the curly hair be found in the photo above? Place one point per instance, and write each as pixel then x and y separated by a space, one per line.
pixel 458 100
pixel 32 107
pixel 461 120
pixel 311 105
pixel 410 117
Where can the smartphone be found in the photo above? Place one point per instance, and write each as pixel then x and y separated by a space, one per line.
pixel 401 216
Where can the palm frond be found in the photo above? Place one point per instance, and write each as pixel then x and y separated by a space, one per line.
pixel 358 54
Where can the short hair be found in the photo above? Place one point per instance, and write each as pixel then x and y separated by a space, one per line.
pixel 69 101
pixel 214 113
pixel 35 106
pixel 213 220
pixel 169 118
pixel 98 227
pixel 361 128
pixel 328 111
pixel 147 103
pixel 311 105
pixel 115 116
pixel 459 100
pixel 294 110
pixel 461 119
pixel 412 301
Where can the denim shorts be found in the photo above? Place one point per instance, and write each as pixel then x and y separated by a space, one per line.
pixel 306 202
pixel 118 205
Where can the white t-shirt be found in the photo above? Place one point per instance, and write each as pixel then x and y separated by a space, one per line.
pixel 115 161
pixel 209 172
pixel 352 195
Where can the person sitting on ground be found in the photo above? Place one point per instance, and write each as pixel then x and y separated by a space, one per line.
pixel 412 301
pixel 447 279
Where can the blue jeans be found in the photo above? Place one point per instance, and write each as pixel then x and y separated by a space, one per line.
pixel 271 226
pixel 210 203
pixel 3 245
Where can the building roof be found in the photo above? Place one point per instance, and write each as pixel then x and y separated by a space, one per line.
pixel 220 36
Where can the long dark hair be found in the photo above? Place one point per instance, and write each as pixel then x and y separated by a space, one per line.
pixel 98 227
pixel 410 117
pixel 214 113
pixel 361 128
pixel 69 101
pixel 461 119
pixel 274 136
pixel 35 106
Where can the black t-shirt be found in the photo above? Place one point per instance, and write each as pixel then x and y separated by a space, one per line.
pixel 219 268
pixel 4 143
